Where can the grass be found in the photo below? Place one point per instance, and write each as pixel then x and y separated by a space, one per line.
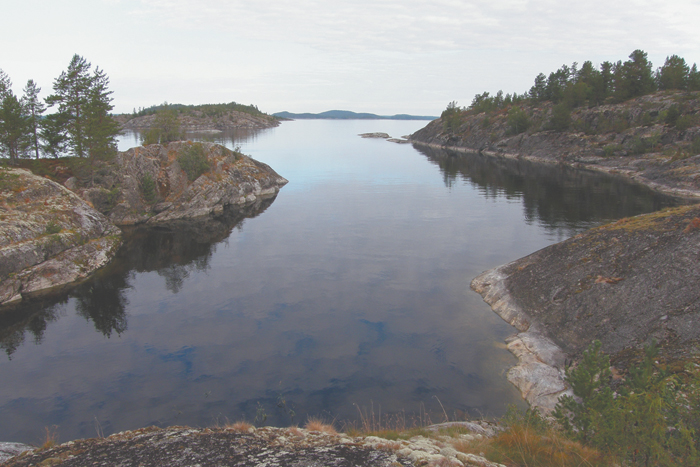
pixel 50 437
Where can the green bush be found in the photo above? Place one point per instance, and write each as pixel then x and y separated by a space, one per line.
pixel 148 188
pixel 561 117
pixel 193 161
pixel 518 122
pixel 651 418
pixel 695 146
pixel 684 122
pixel 53 228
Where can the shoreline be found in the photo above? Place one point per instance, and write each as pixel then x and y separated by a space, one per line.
pixel 539 374
pixel 627 174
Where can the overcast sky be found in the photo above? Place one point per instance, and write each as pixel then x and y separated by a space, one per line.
pixel 380 56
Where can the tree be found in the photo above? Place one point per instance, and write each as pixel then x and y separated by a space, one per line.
pixel 53 134
pixel 13 126
pixel 633 78
pixel 674 74
pixel 166 127
pixel 84 103
pixel 33 108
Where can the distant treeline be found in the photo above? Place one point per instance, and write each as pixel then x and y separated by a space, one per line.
pixel 576 86
pixel 208 110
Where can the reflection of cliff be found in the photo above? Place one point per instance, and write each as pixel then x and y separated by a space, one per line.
pixel 173 250
pixel 558 197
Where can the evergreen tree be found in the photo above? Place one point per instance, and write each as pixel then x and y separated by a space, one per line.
pixel 674 74
pixel 53 134
pixel 84 104
pixel 13 126
pixel 33 108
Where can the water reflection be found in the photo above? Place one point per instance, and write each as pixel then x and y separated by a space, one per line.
pixel 172 250
pixel 231 138
pixel 559 198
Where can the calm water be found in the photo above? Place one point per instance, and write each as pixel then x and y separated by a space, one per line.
pixel 348 293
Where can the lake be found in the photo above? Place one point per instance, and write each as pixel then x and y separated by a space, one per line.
pixel 345 298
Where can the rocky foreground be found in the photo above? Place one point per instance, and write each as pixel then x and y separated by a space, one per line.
pixel 248 446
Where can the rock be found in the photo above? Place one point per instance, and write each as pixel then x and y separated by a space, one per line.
pixel 197 121
pixel 8 450
pixel 48 236
pixel 375 135
pixel 625 284
pixel 231 180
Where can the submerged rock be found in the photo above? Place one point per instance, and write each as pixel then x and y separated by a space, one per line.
pixel 149 183
pixel 48 236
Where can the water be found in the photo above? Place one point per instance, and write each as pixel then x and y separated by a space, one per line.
pixel 348 294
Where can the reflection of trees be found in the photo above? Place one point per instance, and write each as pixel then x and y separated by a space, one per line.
pixel 34 317
pixel 103 301
pixel 173 251
pixel 558 197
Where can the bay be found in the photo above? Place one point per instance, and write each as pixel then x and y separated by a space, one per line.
pixel 346 297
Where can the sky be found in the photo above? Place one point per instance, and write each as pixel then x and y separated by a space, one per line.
pixel 380 56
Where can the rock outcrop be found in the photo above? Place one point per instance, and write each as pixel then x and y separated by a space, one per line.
pixel 48 236
pixel 233 446
pixel 635 139
pixel 197 121
pixel 148 183
pixel 625 284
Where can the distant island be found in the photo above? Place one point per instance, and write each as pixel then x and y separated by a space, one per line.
pixel 348 115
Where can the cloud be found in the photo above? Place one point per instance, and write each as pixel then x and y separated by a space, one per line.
pixel 417 26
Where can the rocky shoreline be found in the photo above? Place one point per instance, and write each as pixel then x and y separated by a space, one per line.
pixel 576 282
pixel 54 236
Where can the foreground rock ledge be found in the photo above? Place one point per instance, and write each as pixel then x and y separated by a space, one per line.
pixel 49 237
pixel 625 284
pixel 183 446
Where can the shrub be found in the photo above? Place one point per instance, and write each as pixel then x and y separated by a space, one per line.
pixel 561 117
pixel 193 161
pixel 518 122
pixel 650 420
pixel 148 188
pixel 53 228
pixel 684 122
pixel 695 145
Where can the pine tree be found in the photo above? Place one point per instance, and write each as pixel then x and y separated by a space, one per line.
pixel 84 102
pixel 13 126
pixel 33 108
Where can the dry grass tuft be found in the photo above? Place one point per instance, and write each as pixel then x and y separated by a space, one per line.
pixel 314 424
pixel 240 427
pixel 521 445
pixel 50 437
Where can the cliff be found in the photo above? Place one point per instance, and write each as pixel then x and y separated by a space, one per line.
pixel 653 139
pixel 150 183
pixel 48 236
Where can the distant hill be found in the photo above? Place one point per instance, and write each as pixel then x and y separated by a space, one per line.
pixel 348 115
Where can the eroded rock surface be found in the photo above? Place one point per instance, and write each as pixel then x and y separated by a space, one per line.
pixel 182 446
pixel 48 235
pixel 121 189
pixel 625 284
pixel 197 121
